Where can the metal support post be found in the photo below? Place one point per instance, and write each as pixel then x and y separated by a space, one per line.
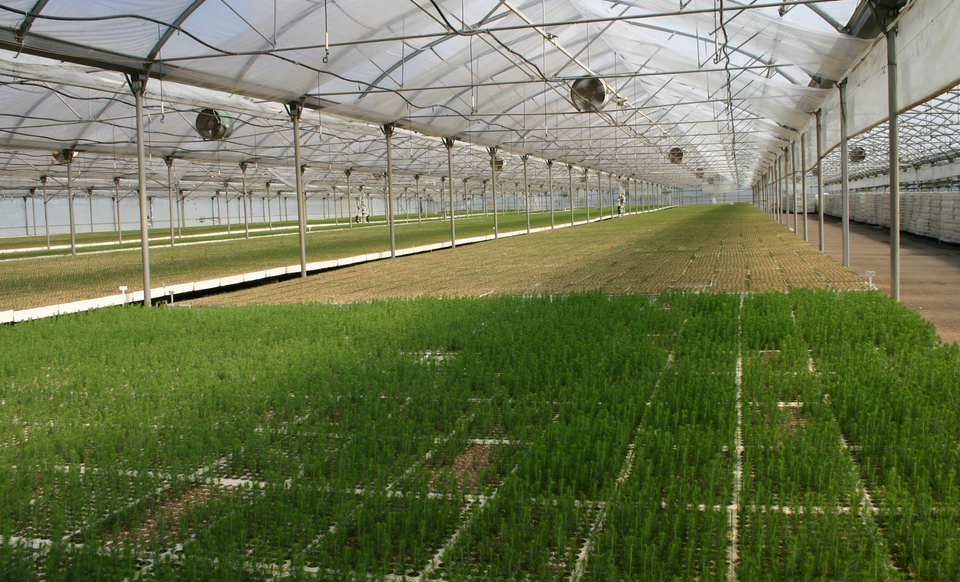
pixel 894 106
pixel 844 174
pixel 116 189
pixel 90 202
pixel 226 201
pixel 388 133
pixel 419 202
pixel 550 191
pixel 526 190
pixel 613 199
pixel 820 175
pixel 138 85
pixel 803 182
pixel 347 173
pixel 493 188
pixel 600 194
pixel 586 191
pixel 448 143
pixel 33 208
pixel 295 109
pixel 46 213
pixel 246 204
pixel 169 161
pixel 484 197
pixel 73 224
pixel 269 208
pixel 780 189
pixel 793 186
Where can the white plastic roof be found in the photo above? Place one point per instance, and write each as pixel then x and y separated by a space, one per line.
pixel 727 82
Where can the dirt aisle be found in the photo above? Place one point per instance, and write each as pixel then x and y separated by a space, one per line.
pixel 929 270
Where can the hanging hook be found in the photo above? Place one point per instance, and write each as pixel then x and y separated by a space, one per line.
pixel 326 34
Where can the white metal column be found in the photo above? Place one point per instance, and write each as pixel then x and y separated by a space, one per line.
pixel 894 106
pixel 296 109
pixel 388 133
pixel 169 161
pixel 493 188
pixel 138 85
pixel 844 174
pixel 448 143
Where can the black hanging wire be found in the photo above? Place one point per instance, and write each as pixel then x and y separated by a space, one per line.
pixel 725 49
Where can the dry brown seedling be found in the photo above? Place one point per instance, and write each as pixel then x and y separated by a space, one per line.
pixel 466 467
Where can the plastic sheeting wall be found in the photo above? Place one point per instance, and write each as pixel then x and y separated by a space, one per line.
pixel 933 214
pixel 927 45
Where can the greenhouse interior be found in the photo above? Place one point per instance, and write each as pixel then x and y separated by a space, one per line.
pixel 479 290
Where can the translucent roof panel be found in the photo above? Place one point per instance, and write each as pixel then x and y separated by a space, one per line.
pixel 928 136
pixel 725 82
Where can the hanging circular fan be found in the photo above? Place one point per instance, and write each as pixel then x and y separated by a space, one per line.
pixel 589 94
pixel 213 124
pixel 675 155
pixel 64 156
pixel 857 154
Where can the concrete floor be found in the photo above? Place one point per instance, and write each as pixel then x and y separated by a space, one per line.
pixel 929 270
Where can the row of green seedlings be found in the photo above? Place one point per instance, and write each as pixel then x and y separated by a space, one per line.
pixel 121 527
pixel 133 491
pixel 668 519
pixel 388 550
pixel 531 523
pixel 584 463
pixel 261 455
pixel 807 512
pixel 894 388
